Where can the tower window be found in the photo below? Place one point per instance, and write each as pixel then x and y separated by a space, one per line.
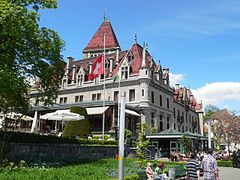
pixel 132 95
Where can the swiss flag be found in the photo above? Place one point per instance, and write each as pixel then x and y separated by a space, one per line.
pixel 97 68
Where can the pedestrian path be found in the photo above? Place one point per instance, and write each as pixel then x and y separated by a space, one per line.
pixel 229 173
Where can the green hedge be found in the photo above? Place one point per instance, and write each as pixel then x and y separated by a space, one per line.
pixel 225 163
pixel 19 137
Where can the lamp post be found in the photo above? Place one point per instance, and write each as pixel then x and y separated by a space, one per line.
pixel 121 140
pixel 209 133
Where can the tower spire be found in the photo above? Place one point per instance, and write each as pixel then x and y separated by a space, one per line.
pixel 104 14
pixel 135 38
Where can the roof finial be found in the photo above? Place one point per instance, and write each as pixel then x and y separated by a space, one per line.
pixel 104 15
pixel 146 46
pixel 105 18
pixel 135 38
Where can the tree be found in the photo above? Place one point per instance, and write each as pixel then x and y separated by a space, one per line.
pixel 142 142
pixel 187 144
pixel 225 127
pixel 27 52
pixel 209 110
pixel 77 128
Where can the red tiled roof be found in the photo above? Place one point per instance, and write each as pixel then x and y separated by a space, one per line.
pixel 192 103
pixel 97 40
pixel 137 52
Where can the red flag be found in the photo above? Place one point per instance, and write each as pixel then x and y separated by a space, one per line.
pixel 97 68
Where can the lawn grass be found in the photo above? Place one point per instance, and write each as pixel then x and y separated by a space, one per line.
pixel 99 169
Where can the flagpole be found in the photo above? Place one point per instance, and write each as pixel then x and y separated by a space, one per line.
pixel 103 119
pixel 119 96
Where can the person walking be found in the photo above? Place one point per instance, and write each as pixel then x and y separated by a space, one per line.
pixel 210 168
pixel 193 168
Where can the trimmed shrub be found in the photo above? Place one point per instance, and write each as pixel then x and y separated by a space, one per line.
pixel 77 128
pixel 225 163
pixel 19 137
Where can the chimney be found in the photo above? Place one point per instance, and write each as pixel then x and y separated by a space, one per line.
pixel 176 86
pixel 111 65
pixel 90 66
pixel 69 62
pixel 74 73
pixel 117 55
pixel 144 56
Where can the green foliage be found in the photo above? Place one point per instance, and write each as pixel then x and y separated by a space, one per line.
pixel 186 143
pixel 132 177
pixel 27 52
pixel 87 170
pixel 153 130
pixel 209 110
pixel 142 142
pixel 13 165
pixel 224 163
pixel 77 128
pixel 19 137
pixel 128 133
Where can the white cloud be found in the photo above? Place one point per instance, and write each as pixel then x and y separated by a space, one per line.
pixel 176 78
pixel 218 93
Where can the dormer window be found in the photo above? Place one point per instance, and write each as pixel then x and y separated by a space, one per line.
pixel 80 79
pixel 125 70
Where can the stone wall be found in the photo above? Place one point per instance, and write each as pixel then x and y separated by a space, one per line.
pixel 59 152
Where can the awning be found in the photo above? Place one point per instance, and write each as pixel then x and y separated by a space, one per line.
pixel 96 110
pixel 128 111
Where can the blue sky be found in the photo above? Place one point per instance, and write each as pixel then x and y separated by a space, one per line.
pixel 198 40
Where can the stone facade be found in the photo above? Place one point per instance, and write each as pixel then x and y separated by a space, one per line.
pixel 144 83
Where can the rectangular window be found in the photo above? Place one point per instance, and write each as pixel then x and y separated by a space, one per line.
pixel 182 117
pixel 174 112
pixel 186 118
pixel 186 128
pixel 132 95
pixel 81 98
pixel 167 103
pixel 152 119
pixel 182 128
pixel 152 96
pixel 160 100
pixel 94 97
pixel 99 96
pixel 37 102
pixel 115 96
pixel 76 99
pixel 178 113
pixel 168 122
pixel 61 101
pixel 65 100
pixel 174 126
pixel 142 92
pixel 161 122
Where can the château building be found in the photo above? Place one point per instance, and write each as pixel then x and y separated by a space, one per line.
pixel 149 97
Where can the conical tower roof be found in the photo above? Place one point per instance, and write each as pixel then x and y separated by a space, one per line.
pixel 96 43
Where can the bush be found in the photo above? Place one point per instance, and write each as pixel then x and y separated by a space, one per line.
pixel 131 177
pixel 19 137
pixel 77 128
pixel 225 163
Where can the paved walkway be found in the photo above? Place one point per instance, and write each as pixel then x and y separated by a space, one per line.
pixel 229 173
